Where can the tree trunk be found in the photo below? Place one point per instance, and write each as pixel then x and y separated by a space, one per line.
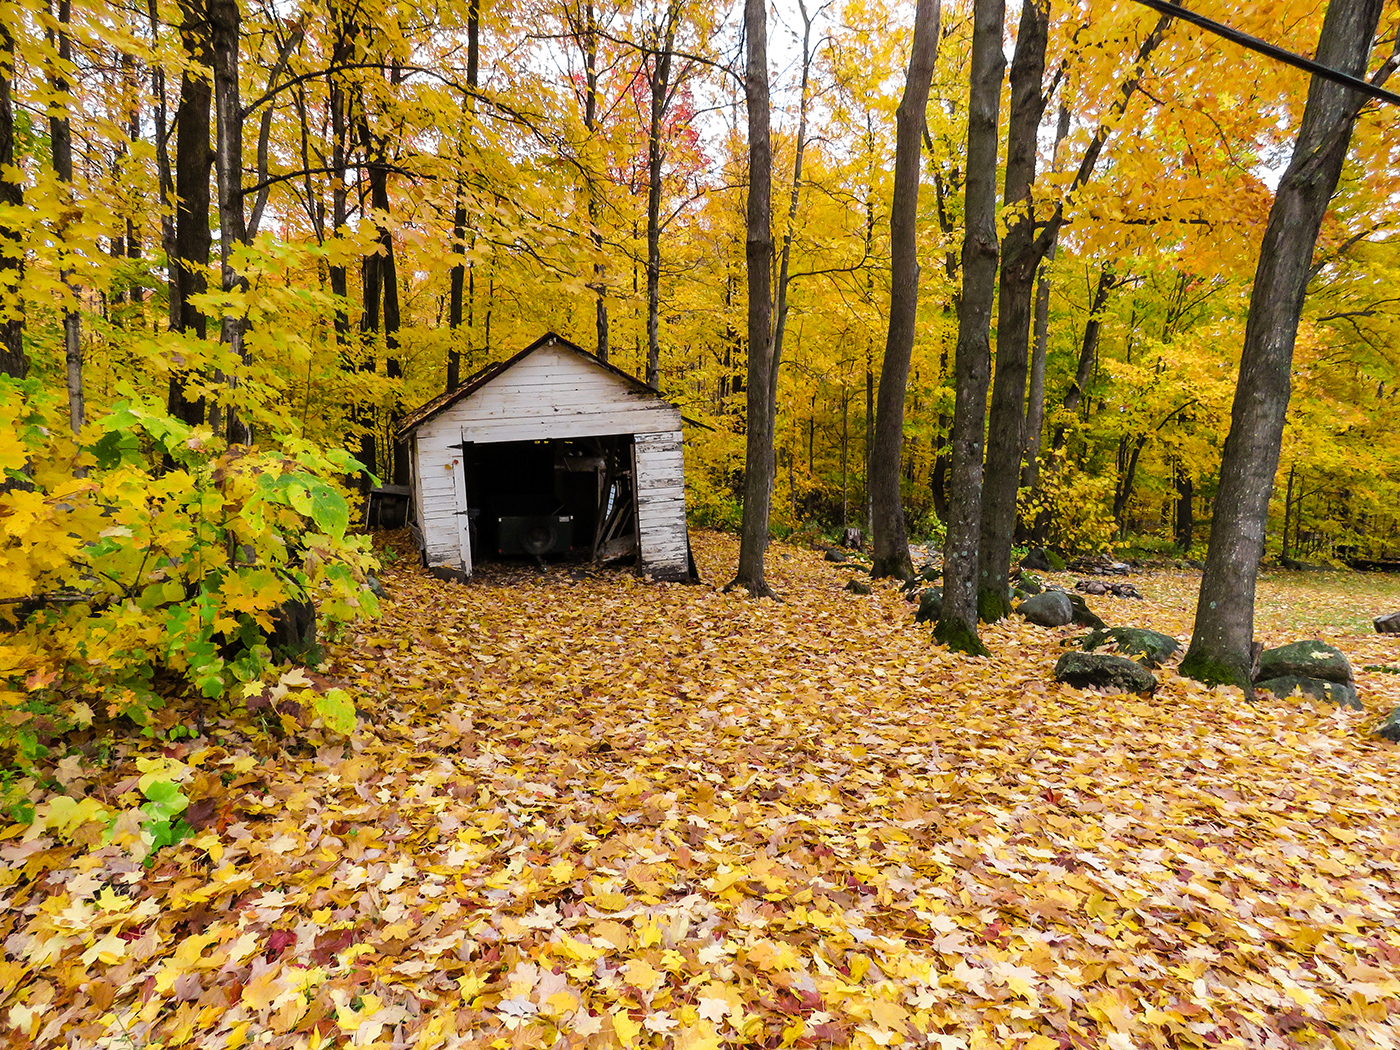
pixel 759 463
pixel 459 208
pixel 1035 397
pixel 659 80
pixel 194 158
pixel 889 542
pixel 165 185
pixel 1224 627
pixel 224 21
pixel 957 621
pixel 340 162
pixel 1020 259
pixel 13 360
pixel 61 147
pixel 1185 519
pixel 589 46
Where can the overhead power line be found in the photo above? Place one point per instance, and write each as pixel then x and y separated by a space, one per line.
pixel 1272 50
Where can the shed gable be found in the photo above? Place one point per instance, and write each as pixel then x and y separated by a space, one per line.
pixel 554 391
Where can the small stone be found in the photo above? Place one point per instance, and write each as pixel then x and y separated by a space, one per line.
pixel 1049 609
pixel 1103 671
pixel 1388 624
pixel 835 557
pixel 376 586
pixel 857 587
pixel 1306 659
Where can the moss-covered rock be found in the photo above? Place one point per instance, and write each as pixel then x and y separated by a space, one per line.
pixel 1341 693
pixel 1306 659
pixel 1083 615
pixel 1390 728
pixel 1149 648
pixel 1105 672
pixel 930 605
pixel 857 587
pixel 1030 583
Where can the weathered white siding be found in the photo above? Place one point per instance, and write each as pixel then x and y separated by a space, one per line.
pixel 440 495
pixel 659 468
pixel 553 393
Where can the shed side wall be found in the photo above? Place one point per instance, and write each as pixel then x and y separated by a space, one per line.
pixel 661 529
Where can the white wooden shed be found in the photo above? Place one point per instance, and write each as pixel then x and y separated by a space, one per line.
pixel 548 452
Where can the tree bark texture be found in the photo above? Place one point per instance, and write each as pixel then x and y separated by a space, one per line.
pixel 890 543
pixel 760 464
pixel 13 360
pixel 1020 260
pixel 589 47
pixel 225 21
pixel 957 621
pixel 1224 627
pixel 459 208
pixel 189 265
pixel 659 80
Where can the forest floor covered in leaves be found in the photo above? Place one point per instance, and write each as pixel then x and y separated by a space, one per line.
pixel 585 810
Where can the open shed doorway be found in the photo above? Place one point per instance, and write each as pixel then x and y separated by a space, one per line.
pixel 562 497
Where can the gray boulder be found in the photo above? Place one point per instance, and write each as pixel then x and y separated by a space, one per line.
pixel 1149 648
pixel 1105 672
pixel 1048 609
pixel 1341 693
pixel 857 587
pixel 1306 659
pixel 1388 624
pixel 835 556
pixel 1390 728
pixel 930 605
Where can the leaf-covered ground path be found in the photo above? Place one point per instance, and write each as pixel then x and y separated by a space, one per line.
pixel 601 812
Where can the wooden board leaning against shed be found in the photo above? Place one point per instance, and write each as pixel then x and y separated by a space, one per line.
pixel 550 450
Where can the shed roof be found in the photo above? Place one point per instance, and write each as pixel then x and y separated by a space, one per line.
pixel 444 401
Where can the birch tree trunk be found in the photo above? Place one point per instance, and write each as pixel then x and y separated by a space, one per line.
pixel 890 543
pixel 1224 628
